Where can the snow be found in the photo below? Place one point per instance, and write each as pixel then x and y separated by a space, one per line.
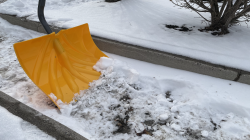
pixel 176 127
pixel 204 133
pixel 142 22
pixel 164 117
pixel 14 128
pixel 18 4
pixel 134 99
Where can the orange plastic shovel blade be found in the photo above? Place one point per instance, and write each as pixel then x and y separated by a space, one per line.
pixel 61 63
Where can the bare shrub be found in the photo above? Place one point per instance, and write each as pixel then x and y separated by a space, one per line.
pixel 224 13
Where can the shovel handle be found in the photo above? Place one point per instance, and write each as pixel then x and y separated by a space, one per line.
pixel 41 5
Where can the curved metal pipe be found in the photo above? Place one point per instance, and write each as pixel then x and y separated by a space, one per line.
pixel 41 17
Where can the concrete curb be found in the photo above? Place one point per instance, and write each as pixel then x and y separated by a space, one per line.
pixel 46 124
pixel 149 55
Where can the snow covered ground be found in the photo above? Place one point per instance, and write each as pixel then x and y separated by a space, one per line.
pixel 15 128
pixel 142 22
pixel 135 100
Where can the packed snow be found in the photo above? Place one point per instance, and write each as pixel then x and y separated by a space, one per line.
pixel 142 22
pixel 134 99
pixel 15 128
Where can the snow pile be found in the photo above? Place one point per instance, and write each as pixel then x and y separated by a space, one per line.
pixel 123 104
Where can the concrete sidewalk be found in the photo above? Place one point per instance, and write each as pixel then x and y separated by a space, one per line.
pixel 149 55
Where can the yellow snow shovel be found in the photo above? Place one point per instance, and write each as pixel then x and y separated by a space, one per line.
pixel 60 63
